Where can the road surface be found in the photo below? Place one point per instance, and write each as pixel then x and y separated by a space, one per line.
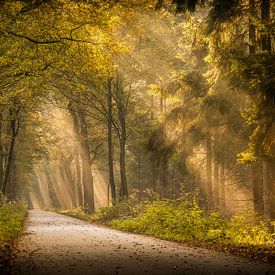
pixel 57 244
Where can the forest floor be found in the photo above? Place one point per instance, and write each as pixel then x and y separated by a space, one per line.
pixel 58 244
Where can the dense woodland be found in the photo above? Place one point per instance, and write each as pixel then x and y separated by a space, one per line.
pixel 103 101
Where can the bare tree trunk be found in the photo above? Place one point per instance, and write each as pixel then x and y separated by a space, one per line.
pixel 77 183
pixel 271 170
pixel 271 192
pixel 139 174
pixel 121 108
pixel 266 190
pixel 14 127
pixel 265 14
pixel 1 149
pixel 152 115
pixel 216 183
pixel 252 29
pixel 86 166
pixel 269 162
pixel 110 141
pixel 222 184
pixel 53 196
pixel 122 155
pixel 163 173
pixel 258 188
pixel 70 181
pixel 209 173
pixel 268 102
pixel 154 176
pixel 164 158
pixel 77 148
pixel 12 188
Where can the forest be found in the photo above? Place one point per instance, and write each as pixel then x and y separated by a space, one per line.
pixel 109 106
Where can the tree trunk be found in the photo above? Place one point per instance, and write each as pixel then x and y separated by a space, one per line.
pixel 269 161
pixel 154 175
pixel 163 173
pixel 209 173
pixel 14 127
pixel 267 184
pixel 164 158
pixel 222 184
pixel 252 29
pixel 12 187
pixel 52 193
pixel 77 149
pixel 86 166
pixel 257 171
pixel 77 183
pixel 110 142
pixel 216 183
pixel 271 191
pixel 265 14
pixel 122 159
pixel 1 149
pixel 139 174
pixel 70 180
pixel 271 169
pixel 121 108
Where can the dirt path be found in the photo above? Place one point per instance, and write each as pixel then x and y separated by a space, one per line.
pixel 56 244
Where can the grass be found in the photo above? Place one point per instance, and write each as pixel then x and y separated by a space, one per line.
pixel 12 217
pixel 184 221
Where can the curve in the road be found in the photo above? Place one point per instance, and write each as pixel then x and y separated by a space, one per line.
pixel 57 244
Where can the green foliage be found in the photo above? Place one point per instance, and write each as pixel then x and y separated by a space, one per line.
pixel 12 217
pixel 194 81
pixel 77 213
pixel 187 5
pixel 186 221
pixel 123 209
pixel 222 11
pixel 238 232
pixel 259 146
pixel 255 72
pixel 120 210
pixel 158 146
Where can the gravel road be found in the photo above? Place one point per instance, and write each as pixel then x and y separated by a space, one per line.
pixel 57 244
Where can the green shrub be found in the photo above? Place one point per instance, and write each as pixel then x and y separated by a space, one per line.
pixel 124 209
pixel 12 217
pixel 241 233
pixel 120 210
pixel 184 220
pixel 77 213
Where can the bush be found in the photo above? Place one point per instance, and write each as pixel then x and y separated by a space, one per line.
pixel 12 217
pixel 186 221
pixel 124 209
pixel 240 233
pixel 119 210
pixel 76 213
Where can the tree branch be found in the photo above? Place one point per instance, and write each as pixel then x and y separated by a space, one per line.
pixel 45 42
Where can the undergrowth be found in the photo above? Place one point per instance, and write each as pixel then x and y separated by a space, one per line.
pixel 185 221
pixel 12 217
pixel 124 209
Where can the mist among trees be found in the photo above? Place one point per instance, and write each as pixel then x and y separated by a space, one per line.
pixel 105 101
